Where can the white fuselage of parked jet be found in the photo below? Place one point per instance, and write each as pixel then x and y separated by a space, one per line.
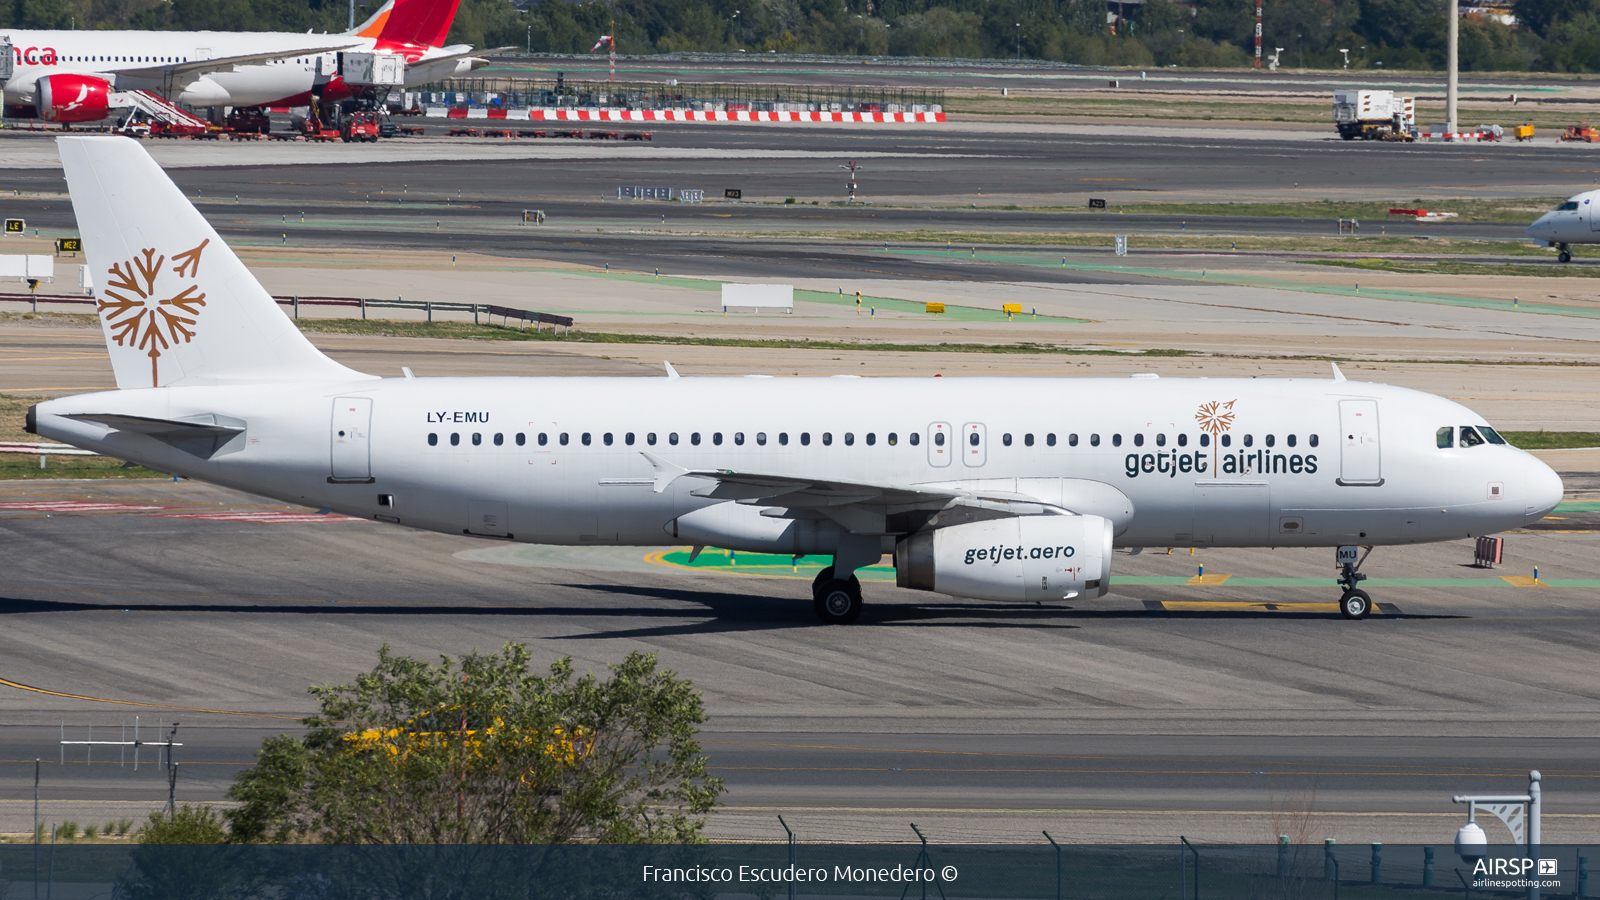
pixel 135 60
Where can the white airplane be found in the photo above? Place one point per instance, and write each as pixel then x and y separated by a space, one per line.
pixel 73 76
pixel 1573 222
pixel 985 488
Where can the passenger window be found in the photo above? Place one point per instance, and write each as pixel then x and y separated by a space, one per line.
pixel 1138 440
pixel 1161 440
pixel 563 439
pixel 1004 439
pixel 606 438
pixel 973 439
pixel 1271 440
pixel 783 439
pixel 805 438
pixel 695 438
pixel 433 440
pixel 499 439
pixel 1249 440
pixel 543 439
pixel 892 438
pixel 1072 440
pixel 587 439
pixel 716 438
pixel 1205 440
pixel 1094 440
pixel 1116 440
pixel 455 439
pixel 938 439
pixel 738 439
pixel 849 439
pixel 628 439
pixel 871 439
pixel 1183 440
pixel 914 438
pixel 1050 439
pixel 1312 440
pixel 1493 436
pixel 827 439
pixel 650 438
pixel 477 439
pixel 1469 437
pixel 1445 437
pixel 522 439
pixel 1227 440
pixel 1027 440
pixel 1289 439
pixel 673 439
pixel 761 438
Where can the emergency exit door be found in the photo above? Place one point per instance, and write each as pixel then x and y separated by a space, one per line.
pixel 1360 459
pixel 351 429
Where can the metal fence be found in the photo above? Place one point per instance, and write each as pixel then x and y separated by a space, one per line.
pixel 481 312
pixel 551 93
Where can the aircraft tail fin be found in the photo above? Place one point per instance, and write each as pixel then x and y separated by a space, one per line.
pixel 373 26
pixel 419 22
pixel 177 306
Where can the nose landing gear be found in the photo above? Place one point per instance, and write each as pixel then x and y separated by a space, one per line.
pixel 1354 603
pixel 1566 253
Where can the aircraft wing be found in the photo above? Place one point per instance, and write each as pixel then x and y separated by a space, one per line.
pixel 195 68
pixel 861 507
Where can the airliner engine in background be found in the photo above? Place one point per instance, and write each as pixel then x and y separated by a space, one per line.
pixel 74 76
pixel 1576 221
pixel 985 488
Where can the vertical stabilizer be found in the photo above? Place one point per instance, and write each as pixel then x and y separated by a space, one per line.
pixel 424 23
pixel 373 26
pixel 178 308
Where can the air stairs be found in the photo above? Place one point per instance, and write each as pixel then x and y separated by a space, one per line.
pixel 163 116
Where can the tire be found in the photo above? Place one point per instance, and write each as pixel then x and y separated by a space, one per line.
pixel 1565 256
pixel 1355 604
pixel 838 602
pixel 823 577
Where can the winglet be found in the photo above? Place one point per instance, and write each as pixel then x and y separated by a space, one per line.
pixel 671 372
pixel 1337 375
pixel 666 473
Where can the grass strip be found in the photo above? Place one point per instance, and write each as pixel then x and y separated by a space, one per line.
pixel 966 240
pixel 1458 268
pixel 1552 440
pixel 15 466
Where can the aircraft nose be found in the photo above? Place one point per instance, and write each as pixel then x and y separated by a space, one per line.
pixel 1544 491
pixel 1540 227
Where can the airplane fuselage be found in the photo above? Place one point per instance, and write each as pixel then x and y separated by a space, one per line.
pixel 1202 462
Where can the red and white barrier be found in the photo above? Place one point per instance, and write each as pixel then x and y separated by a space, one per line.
pixel 668 115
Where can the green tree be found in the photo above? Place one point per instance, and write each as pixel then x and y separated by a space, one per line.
pixel 490 752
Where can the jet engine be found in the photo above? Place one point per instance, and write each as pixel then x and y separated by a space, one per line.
pixel 70 97
pixel 1016 559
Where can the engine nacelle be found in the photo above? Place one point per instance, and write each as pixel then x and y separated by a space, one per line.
pixel 1016 559
pixel 69 97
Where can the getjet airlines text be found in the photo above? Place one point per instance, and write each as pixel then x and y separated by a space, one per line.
pixel 786 874
pixel 1258 462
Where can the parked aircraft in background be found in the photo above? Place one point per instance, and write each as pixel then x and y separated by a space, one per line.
pixel 74 76
pixel 1576 221
pixel 986 488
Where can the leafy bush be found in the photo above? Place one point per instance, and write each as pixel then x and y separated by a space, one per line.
pixel 191 824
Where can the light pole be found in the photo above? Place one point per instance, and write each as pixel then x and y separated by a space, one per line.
pixel 1019 42
pixel 1363 56
pixel 1346 53
pixel 1520 812
pixel 530 38
pixel 1452 81
pixel 738 37
pixel 862 21
pixel 1302 39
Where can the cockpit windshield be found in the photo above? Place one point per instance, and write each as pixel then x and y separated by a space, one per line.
pixel 1567 206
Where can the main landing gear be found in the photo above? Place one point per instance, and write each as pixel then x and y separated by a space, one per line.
pixel 836 601
pixel 1354 603
pixel 1566 253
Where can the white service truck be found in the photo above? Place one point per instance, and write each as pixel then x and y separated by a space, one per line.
pixel 1374 115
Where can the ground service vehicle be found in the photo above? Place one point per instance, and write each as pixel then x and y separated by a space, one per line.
pixel 1374 115
pixel 359 127
pixel 1005 489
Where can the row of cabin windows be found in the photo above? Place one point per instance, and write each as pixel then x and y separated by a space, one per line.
pixel 893 439
pixel 1471 436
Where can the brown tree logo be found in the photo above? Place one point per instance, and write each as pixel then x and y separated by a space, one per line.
pixel 139 316
pixel 1215 417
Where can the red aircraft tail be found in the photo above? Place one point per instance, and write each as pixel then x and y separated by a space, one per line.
pixel 424 22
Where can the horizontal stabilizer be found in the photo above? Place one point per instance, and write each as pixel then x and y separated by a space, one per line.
pixel 203 435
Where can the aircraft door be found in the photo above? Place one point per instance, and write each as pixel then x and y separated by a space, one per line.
pixel 487 517
pixel 1360 459
pixel 352 451
pixel 941 444
pixel 202 53
pixel 1587 210
pixel 974 444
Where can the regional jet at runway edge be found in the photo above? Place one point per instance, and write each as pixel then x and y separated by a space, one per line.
pixel 1005 489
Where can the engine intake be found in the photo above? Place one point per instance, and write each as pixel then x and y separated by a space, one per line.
pixel 73 98
pixel 1016 559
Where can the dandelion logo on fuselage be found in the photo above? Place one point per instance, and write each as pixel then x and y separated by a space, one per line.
pixel 1215 417
pixel 140 317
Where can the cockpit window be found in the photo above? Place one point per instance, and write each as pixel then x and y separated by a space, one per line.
pixel 1493 436
pixel 1469 437
pixel 1446 437
pixel 1567 206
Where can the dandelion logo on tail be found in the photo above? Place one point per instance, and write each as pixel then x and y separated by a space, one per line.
pixel 1215 417
pixel 137 313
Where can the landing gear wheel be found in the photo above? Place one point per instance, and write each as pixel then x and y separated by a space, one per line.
pixel 836 602
pixel 1565 256
pixel 1355 604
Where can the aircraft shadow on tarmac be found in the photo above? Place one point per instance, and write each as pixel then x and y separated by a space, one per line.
pixel 708 612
